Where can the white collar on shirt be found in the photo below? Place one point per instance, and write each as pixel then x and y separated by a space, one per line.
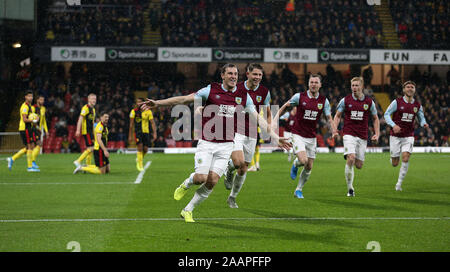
pixel 362 98
pixel 223 88
pixel 310 94
pixel 406 100
pixel 248 89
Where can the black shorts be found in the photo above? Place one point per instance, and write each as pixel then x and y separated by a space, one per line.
pixel 100 159
pixel 37 133
pixel 143 138
pixel 89 139
pixel 28 136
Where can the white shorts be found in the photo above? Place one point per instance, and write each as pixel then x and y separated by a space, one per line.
pixel 212 156
pixel 398 145
pixel 355 145
pixel 309 145
pixel 245 144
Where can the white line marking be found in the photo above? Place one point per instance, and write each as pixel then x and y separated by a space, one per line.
pixel 141 174
pixel 218 219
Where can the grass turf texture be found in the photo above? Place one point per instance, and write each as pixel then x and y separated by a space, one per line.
pixel 145 217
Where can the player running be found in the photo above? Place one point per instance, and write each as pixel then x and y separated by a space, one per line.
pixel 26 133
pixel 39 127
pixel 310 106
pixel 139 120
pixel 289 118
pixel 356 108
pixel 101 154
pixel 245 139
pixel 85 127
pixel 401 141
pixel 222 103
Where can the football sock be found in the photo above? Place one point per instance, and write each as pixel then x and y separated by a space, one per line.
pixel 189 181
pixel 140 158
pixel 231 165
pixel 237 184
pixel 36 151
pixel 91 169
pixel 200 195
pixel 297 163
pixel 257 155
pixel 304 176
pixel 29 158
pixel 84 155
pixel 19 153
pixel 89 158
pixel 253 162
pixel 349 175
pixel 403 171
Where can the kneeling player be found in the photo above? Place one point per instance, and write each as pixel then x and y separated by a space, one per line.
pixel 101 154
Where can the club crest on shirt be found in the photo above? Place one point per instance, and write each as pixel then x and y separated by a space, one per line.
pixel 218 96
pixel 238 100
pixel 258 98
pixel 365 106
pixel 415 109
pixel 320 106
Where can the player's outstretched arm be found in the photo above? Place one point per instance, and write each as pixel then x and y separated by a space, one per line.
pixel 176 100
pixel 282 142
pixel 279 113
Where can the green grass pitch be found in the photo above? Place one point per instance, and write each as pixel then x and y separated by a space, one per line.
pixel 47 210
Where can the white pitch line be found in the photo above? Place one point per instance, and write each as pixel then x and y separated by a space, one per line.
pixel 141 174
pixel 217 219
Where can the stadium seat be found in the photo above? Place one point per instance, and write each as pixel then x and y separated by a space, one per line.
pixel 179 144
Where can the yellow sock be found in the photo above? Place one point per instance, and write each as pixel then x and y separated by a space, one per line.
pixel 36 151
pixel 29 158
pixel 140 158
pixel 19 153
pixel 253 162
pixel 89 159
pixel 91 166
pixel 84 155
pixel 257 155
pixel 91 169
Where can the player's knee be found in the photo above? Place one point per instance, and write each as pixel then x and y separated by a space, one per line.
pixel 200 178
pixel 359 164
pixel 351 159
pixel 394 161
pixel 405 157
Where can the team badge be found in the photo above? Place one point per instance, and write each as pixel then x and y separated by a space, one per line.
pixel 258 98
pixel 365 106
pixel 238 100
pixel 319 106
pixel 218 96
pixel 415 109
pixel 200 161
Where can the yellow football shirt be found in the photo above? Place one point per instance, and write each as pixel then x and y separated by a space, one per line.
pixel 100 129
pixel 87 125
pixel 24 109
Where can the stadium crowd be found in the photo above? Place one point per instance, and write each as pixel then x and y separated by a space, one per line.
pixel 422 24
pixel 105 22
pixel 331 23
